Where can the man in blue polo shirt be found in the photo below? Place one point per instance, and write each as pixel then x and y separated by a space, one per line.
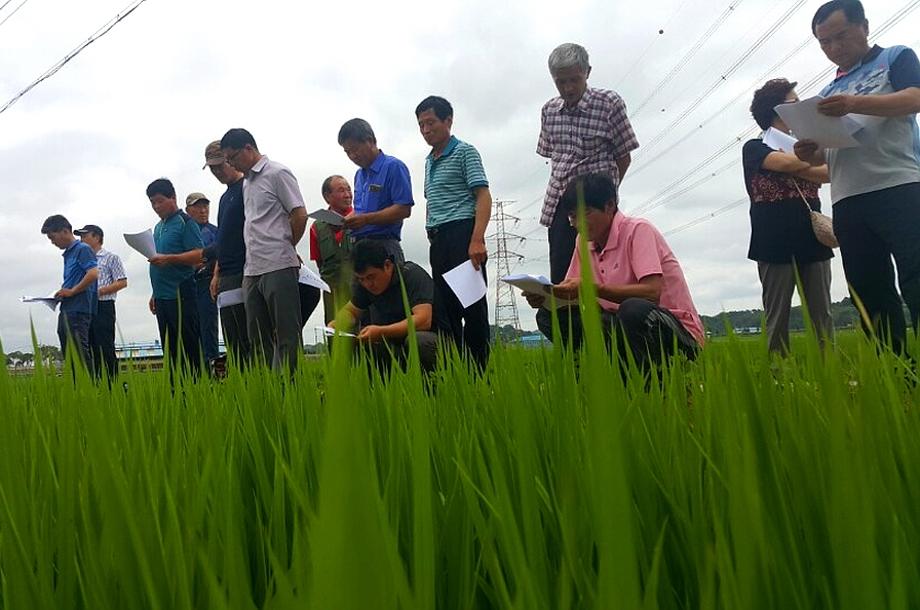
pixel 383 189
pixel 875 187
pixel 78 292
pixel 172 276
pixel 459 207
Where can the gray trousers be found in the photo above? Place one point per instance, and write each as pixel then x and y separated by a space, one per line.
pixel 273 317
pixel 778 281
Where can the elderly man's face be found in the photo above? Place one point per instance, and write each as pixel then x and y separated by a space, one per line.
pixel 224 172
pixel 339 196
pixel 199 212
pixel 571 83
pixel 597 223
pixel 843 43
pixel 241 159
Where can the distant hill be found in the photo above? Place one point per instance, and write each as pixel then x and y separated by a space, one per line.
pixel 844 314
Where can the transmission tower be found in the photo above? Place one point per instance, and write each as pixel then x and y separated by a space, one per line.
pixel 506 313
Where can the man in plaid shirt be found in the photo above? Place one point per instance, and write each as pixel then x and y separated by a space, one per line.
pixel 584 130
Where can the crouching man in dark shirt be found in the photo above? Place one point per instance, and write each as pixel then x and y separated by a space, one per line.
pixel 378 290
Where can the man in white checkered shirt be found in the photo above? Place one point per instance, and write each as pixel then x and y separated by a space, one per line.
pixel 584 130
pixel 112 278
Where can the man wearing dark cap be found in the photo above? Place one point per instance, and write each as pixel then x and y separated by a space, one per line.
pixel 78 292
pixel 231 250
pixel 112 278
pixel 198 207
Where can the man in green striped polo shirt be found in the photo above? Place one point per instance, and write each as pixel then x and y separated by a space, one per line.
pixel 458 210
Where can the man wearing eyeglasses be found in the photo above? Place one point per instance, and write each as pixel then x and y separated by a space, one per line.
pixel 875 187
pixel 275 221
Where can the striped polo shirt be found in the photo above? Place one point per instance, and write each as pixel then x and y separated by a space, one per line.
pixel 449 183
pixel 110 271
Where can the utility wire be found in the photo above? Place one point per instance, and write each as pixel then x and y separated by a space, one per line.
pixel 638 61
pixel 13 12
pixel 707 217
pixel 60 64
pixel 768 33
pixel 650 205
pixel 688 56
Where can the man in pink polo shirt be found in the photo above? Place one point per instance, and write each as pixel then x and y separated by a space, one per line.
pixel 641 288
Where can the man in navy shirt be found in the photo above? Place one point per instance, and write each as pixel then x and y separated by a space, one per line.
pixel 198 207
pixel 231 251
pixel 875 187
pixel 383 189
pixel 172 275
pixel 78 292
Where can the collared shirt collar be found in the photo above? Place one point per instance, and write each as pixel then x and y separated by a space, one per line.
pixel 376 164
pixel 872 54
pixel 102 252
pixel 451 145
pixel 259 166
pixel 613 237
pixel 72 245
pixel 581 106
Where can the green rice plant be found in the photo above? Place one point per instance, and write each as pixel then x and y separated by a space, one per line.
pixel 739 480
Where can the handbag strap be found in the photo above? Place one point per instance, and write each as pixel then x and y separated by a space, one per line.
pixel 801 194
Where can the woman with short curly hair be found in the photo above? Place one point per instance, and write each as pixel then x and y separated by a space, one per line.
pixel 783 243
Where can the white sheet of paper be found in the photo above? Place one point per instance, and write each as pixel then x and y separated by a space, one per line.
pixel 537 284
pixel 142 242
pixel 329 217
pixel 467 283
pixel 229 297
pixel 777 140
pixel 331 332
pixel 807 123
pixel 50 302
pixel 311 279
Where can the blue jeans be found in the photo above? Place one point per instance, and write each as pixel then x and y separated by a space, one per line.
pixel 207 318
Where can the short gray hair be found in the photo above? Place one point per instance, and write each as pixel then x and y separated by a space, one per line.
pixel 568 55
pixel 356 130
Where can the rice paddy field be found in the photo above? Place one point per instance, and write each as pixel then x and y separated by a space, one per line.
pixel 737 481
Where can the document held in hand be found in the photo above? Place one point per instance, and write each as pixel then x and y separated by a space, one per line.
pixel 467 283
pixel 777 140
pixel 807 123
pixel 142 242
pixel 50 301
pixel 329 217
pixel 538 284
pixel 306 276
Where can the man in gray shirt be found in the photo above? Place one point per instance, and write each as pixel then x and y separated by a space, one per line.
pixel 275 221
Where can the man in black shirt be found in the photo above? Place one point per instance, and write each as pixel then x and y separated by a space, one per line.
pixel 378 292
pixel 230 253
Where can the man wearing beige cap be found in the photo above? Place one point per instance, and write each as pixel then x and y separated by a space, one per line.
pixel 198 207
pixel 231 251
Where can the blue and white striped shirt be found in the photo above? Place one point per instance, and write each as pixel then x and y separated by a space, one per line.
pixel 449 183
pixel 110 271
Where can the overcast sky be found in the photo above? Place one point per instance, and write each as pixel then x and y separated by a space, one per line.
pixel 144 101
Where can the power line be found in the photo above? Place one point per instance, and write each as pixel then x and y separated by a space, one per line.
pixel 650 205
pixel 767 34
pixel 707 217
pixel 60 64
pixel 638 61
pixel 14 11
pixel 688 56
pixel 892 21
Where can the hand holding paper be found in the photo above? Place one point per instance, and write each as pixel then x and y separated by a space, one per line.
pixel 329 217
pixel 540 285
pixel 777 140
pixel 467 283
pixel 808 123
pixel 51 302
pixel 306 276
pixel 143 243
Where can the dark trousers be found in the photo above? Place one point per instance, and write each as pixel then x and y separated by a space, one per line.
pixel 102 339
pixel 384 353
pixel 207 318
pixel 469 327
pixel 649 332
pixel 562 237
pixel 309 299
pixel 872 228
pixel 177 320
pixel 233 321
pixel 74 328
